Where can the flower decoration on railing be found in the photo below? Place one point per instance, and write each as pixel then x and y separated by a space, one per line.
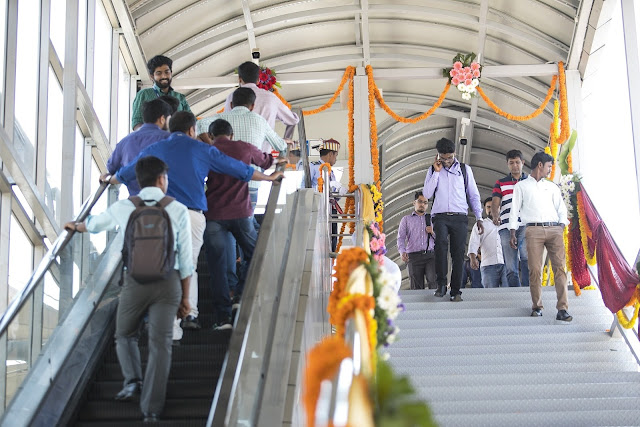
pixel 376 242
pixel 378 204
pixel 465 74
pixel 267 79
pixel 568 190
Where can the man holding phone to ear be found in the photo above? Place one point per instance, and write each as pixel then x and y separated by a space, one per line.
pixel 454 191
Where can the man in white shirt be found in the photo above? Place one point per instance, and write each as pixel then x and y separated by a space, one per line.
pixel 539 204
pixel 493 269
pixel 267 104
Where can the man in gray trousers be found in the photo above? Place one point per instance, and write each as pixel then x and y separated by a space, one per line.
pixel 162 299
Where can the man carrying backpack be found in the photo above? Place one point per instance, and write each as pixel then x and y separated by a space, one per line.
pixel 159 265
pixel 454 190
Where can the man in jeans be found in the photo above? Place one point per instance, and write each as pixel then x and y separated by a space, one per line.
pixel 493 272
pixel 162 299
pixel 229 212
pixel 515 260
pixel 416 241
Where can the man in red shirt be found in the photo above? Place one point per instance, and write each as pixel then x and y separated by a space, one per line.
pixel 229 212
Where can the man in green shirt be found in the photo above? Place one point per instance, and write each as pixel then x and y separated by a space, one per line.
pixel 159 68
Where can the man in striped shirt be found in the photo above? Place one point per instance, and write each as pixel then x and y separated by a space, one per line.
pixel 416 242
pixel 517 270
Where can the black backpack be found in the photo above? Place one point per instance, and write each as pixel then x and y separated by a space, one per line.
pixel 148 253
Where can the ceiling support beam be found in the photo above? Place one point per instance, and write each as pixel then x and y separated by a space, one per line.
pixel 130 35
pixel 490 71
pixel 579 34
pixel 248 23
pixel 364 28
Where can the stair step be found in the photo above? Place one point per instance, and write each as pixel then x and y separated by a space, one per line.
pixel 462 311
pixel 174 408
pixel 179 370
pixel 176 389
pixel 537 378
pixel 524 318
pixel 532 406
pixel 411 330
pixel 550 349
pixel 192 422
pixel 569 417
pixel 408 338
pixel 499 294
pixel 508 393
pixel 417 368
pixel 469 304
pixel 182 352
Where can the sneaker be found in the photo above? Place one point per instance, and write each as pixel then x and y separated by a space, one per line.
pixel 456 298
pixel 130 392
pixel 536 312
pixel 222 326
pixel 190 322
pixel 564 316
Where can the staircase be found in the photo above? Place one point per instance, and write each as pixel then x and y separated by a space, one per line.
pixel 195 366
pixel 486 362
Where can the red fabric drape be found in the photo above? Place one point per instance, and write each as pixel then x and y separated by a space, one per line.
pixel 616 278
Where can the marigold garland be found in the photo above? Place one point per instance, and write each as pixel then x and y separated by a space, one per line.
pixel 373 87
pixel 373 128
pixel 346 308
pixel 349 72
pixel 536 113
pixel 323 363
pixel 565 129
pixel 220 111
pixel 346 262
pixel 586 234
pixel 281 98
pixel 546 280
pixel 326 166
pixel 624 321
pixel 554 133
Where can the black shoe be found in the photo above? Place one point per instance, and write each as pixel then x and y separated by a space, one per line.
pixel 190 322
pixel 151 418
pixel 129 392
pixel 440 293
pixel 536 312
pixel 456 298
pixel 564 316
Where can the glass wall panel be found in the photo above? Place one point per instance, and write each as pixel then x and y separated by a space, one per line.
pixel 26 100
pixel 58 18
pixel 102 68
pixel 3 31
pixel 20 258
pixel 54 146
pixel 82 39
pixel 124 94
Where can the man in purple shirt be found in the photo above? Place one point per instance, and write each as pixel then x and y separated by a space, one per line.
pixel 416 241
pixel 453 190
pixel 155 114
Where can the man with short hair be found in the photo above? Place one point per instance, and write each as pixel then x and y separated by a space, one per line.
pixel 189 163
pixel 159 68
pixel 517 269
pixel 162 299
pixel 416 242
pixel 267 104
pixel 492 270
pixel 454 190
pixel 156 114
pixel 229 212
pixel 247 126
pixel 538 203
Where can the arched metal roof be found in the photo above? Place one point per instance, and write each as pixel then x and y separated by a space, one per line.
pixel 208 39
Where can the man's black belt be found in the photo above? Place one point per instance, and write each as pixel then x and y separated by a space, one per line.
pixel 543 224
pixel 195 210
pixel 450 213
pixel 421 252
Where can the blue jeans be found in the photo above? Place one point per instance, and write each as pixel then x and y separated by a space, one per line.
pixel 515 276
pixel 218 246
pixel 494 276
pixel 474 276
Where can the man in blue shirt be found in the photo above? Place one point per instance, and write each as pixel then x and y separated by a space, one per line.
pixel 162 299
pixel 155 114
pixel 189 163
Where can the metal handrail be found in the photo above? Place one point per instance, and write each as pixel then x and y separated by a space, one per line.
pixel 229 376
pixel 38 274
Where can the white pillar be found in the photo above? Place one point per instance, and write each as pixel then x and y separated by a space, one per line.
pixel 576 119
pixel 363 168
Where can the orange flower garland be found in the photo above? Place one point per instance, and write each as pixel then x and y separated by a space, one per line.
pixel 220 111
pixel 554 134
pixel 349 72
pixel 326 166
pixel 323 363
pixel 565 128
pixel 346 262
pixel 536 113
pixel 345 309
pixel 373 87
pixel 281 98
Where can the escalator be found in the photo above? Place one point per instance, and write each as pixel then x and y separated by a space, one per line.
pixel 195 367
